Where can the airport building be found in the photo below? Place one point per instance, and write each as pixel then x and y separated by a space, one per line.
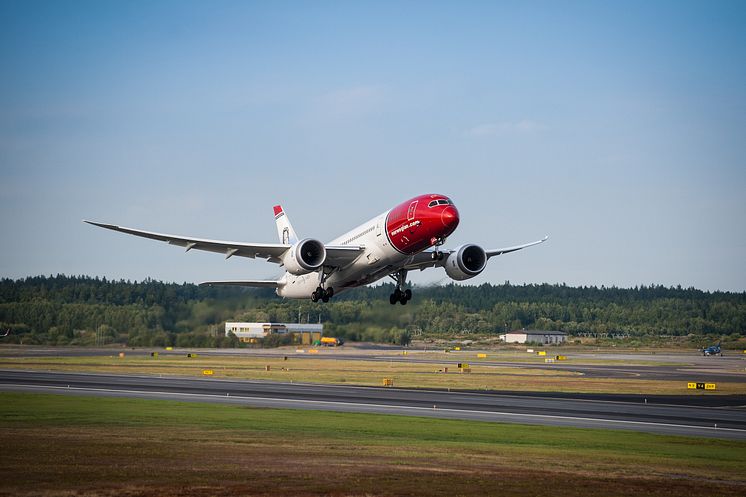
pixel 534 336
pixel 249 332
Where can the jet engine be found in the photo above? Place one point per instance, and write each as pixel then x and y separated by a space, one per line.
pixel 466 262
pixel 304 257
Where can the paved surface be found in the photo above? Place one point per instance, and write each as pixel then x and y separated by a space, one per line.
pixel 691 366
pixel 658 415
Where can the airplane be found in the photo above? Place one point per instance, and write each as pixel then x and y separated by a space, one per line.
pixel 712 350
pixel 405 238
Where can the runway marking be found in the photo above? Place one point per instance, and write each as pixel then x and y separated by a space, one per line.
pixel 384 406
pixel 496 394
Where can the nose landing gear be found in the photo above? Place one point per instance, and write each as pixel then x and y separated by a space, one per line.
pixel 437 255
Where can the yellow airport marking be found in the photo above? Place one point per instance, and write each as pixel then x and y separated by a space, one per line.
pixel 313 351
pixel 701 386
pixel 388 382
pixel 208 372
pixel 154 355
pixel 561 357
pixel 541 352
pixel 481 356
pixel 456 348
pixel 191 354
pixel 169 348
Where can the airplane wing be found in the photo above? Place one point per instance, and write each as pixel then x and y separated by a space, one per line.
pixel 272 252
pixel 494 252
pixel 424 260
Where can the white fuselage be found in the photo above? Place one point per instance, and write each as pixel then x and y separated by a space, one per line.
pixel 377 260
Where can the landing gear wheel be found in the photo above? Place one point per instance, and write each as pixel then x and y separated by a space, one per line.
pixel 403 299
pixel 322 295
pixel 395 297
pixel 318 294
pixel 408 294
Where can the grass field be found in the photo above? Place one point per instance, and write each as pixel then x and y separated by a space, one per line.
pixel 85 446
pixel 359 372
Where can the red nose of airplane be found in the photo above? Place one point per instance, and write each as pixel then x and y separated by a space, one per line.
pixel 449 217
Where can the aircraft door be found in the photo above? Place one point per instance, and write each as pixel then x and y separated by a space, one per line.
pixel 412 209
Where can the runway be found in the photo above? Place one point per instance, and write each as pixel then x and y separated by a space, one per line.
pixel 725 418
pixel 673 367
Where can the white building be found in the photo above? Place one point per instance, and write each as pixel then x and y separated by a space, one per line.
pixel 535 336
pixel 247 332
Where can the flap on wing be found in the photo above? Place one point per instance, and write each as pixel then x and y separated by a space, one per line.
pixel 424 260
pixel 342 255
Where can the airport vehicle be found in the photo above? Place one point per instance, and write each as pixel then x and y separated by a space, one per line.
pixel 712 350
pixel 405 238
pixel 330 341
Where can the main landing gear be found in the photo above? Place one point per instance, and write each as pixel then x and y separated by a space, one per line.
pixel 322 294
pixel 399 295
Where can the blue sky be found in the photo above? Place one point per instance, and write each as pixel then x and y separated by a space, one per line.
pixel 618 129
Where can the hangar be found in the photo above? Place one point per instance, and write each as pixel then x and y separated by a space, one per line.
pixel 250 332
pixel 534 336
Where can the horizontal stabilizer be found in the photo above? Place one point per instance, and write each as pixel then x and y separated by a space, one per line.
pixel 250 283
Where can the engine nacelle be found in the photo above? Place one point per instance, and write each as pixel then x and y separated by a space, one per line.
pixel 466 262
pixel 304 257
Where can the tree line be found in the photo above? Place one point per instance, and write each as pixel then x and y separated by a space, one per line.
pixel 82 310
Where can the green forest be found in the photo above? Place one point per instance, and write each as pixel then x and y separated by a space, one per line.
pixel 81 310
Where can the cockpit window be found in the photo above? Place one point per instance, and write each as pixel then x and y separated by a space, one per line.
pixel 432 203
pixel 443 202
